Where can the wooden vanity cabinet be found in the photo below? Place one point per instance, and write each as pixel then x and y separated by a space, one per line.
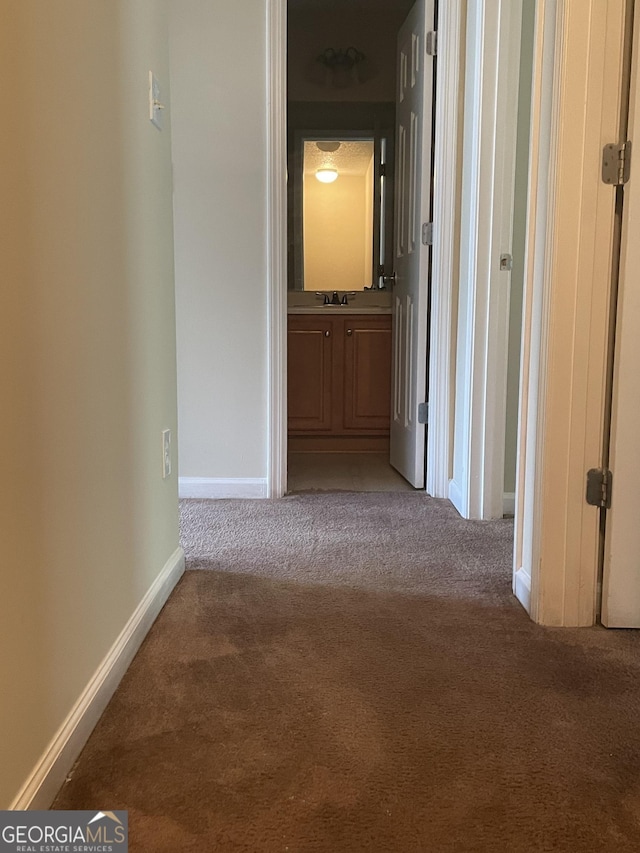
pixel 339 375
pixel 366 373
pixel 312 397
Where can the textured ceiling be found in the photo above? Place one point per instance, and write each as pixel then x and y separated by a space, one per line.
pixel 352 158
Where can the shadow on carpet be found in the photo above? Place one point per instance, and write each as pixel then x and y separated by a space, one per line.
pixel 340 675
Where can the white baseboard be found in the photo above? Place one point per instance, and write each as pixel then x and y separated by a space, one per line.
pixel 455 496
pixel 48 776
pixel 213 488
pixel 522 589
pixel 509 503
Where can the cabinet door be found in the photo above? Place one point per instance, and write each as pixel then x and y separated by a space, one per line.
pixel 310 357
pixel 367 373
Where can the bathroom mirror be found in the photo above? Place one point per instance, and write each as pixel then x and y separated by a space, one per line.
pixel 341 216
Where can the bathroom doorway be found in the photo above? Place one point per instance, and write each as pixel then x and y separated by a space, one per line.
pixel 357 338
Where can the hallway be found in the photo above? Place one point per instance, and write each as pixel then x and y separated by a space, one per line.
pixel 346 673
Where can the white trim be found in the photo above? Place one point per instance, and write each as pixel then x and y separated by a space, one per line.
pixel 566 305
pixel 277 247
pixel 522 588
pixel 509 503
pixel 445 182
pixel 214 488
pixel 543 165
pixel 497 340
pixel 454 493
pixel 49 774
pixel 493 40
pixel 621 579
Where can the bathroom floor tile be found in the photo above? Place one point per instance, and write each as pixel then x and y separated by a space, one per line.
pixel 351 472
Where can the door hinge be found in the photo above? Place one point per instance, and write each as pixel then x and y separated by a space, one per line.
pixel 432 43
pixel 427 233
pixel 599 482
pixel 616 164
pixel 383 170
pixel 423 413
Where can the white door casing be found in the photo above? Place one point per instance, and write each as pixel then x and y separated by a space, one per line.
pixel 445 248
pixel 276 155
pixel 488 184
pixel 414 118
pixel 578 64
pixel 621 579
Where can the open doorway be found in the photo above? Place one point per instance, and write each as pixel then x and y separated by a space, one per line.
pixel 358 194
pixel 231 253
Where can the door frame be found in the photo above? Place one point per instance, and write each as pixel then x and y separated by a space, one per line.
pixel 276 248
pixel 445 251
pixel 620 581
pixel 445 257
pixel 476 486
pixel 578 62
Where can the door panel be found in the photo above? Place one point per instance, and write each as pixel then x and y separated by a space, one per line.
pixel 414 104
pixel 310 375
pixel 367 374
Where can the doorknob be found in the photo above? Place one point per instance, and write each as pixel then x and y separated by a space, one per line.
pixel 349 332
pixel 327 334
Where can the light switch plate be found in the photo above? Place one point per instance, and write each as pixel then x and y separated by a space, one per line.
pixel 156 107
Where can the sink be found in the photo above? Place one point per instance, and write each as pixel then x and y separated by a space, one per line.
pixel 361 302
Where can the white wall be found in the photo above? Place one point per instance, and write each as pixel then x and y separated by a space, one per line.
pixel 219 155
pixel 335 228
pixel 87 354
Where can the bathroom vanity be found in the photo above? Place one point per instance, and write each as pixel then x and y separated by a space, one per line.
pixel 339 372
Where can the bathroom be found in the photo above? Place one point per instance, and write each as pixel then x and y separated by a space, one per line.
pixel 341 166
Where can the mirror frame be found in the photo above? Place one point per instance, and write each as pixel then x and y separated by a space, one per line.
pixel 380 267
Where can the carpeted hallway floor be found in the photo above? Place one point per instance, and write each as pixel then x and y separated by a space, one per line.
pixel 344 673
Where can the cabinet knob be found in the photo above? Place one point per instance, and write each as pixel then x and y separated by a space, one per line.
pixel 327 334
pixel 349 332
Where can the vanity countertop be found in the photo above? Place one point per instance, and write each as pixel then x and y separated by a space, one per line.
pixel 361 302
pixel 339 309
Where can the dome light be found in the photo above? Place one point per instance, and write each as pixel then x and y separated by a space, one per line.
pixel 327 176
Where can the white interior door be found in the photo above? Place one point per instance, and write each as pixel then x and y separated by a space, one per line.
pixel 621 581
pixel 414 117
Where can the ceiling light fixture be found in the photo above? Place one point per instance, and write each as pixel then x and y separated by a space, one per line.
pixel 340 68
pixel 327 176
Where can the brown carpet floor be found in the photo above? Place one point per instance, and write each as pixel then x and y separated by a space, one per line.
pixel 345 673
